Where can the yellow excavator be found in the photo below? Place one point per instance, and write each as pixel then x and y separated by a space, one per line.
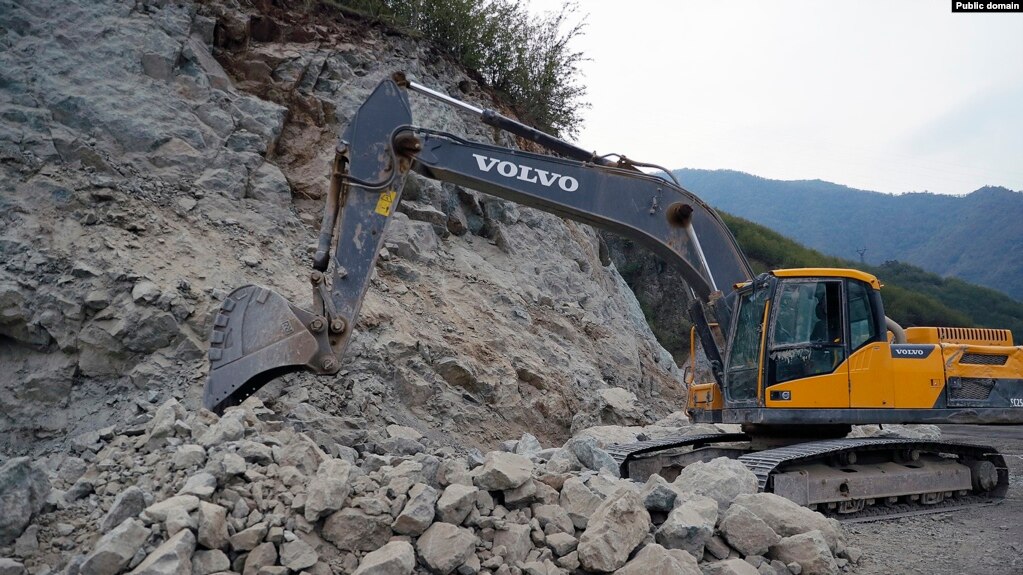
pixel 795 356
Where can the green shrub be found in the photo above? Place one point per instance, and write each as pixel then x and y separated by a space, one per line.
pixel 525 58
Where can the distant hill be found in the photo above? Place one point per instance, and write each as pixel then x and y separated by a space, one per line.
pixel 977 237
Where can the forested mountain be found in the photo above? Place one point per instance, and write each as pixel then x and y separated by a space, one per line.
pixel 977 237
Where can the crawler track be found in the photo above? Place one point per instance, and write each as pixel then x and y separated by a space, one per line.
pixel 834 456
pixel 884 513
pixel 767 464
pixel 624 452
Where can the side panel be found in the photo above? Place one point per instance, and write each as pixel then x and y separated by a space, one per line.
pixel 705 396
pixel 918 375
pixel 829 390
pixel 983 375
pixel 788 417
pixel 870 376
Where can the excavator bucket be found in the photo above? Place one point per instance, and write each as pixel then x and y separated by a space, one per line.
pixel 258 335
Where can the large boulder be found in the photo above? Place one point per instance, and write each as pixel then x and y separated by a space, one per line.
pixel 264 555
pixel 210 561
pixel 444 547
pixel 174 557
pixel 212 526
pixel 248 539
pixel 615 529
pixel 298 555
pixel 418 512
pixel 895 430
pixel 620 406
pixel 23 491
pixel 734 566
pixel 553 518
pixel 114 550
pixel 656 559
pixel 128 504
pixel 455 503
pixel 354 530
pixel 11 567
pixel 787 518
pixel 579 501
pixel 395 558
pixel 516 541
pixel 561 543
pixel 501 471
pixel 160 510
pixel 746 532
pixel 611 434
pixel 585 449
pixel 690 525
pixel 327 491
pixel 721 479
pixel 528 445
pixel 658 495
pixel 809 550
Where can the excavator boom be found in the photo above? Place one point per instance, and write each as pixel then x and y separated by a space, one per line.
pixel 258 335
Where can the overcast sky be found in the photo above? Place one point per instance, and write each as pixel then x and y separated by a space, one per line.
pixel 879 95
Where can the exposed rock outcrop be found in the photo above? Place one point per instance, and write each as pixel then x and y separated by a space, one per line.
pixel 157 155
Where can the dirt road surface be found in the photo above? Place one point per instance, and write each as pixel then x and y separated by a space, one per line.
pixel 982 541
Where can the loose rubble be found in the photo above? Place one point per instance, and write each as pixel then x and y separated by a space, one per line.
pixel 286 505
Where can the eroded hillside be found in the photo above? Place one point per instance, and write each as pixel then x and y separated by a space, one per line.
pixel 157 155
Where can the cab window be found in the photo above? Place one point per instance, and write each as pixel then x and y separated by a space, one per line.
pixel 807 335
pixel 862 322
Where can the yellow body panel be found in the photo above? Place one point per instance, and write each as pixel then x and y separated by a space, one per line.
pixel 829 273
pixel 870 376
pixel 963 335
pixel 1012 368
pixel 878 382
pixel 705 396
pixel 830 390
pixel 918 382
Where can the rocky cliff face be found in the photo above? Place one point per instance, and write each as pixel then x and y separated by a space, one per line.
pixel 154 155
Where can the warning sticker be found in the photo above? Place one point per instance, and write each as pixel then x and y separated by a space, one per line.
pixel 385 202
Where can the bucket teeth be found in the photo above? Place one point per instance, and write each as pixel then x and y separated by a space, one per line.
pixel 257 335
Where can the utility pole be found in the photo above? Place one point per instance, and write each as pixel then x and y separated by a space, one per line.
pixel 862 251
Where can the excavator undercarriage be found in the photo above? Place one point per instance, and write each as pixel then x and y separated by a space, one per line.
pixel 852 479
pixel 796 355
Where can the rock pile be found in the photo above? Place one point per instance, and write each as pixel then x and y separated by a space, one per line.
pixel 248 493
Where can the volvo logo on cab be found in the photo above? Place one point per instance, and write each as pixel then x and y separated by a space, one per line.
pixel 526 173
pixel 905 351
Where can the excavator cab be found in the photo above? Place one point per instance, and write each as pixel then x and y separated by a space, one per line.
pixel 792 336
pixel 812 347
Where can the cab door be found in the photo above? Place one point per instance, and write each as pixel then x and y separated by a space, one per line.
pixel 807 347
pixel 743 373
pixel 870 360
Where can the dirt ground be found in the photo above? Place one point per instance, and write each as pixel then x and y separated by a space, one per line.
pixel 986 540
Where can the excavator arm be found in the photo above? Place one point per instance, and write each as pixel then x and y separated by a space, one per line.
pixel 258 335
